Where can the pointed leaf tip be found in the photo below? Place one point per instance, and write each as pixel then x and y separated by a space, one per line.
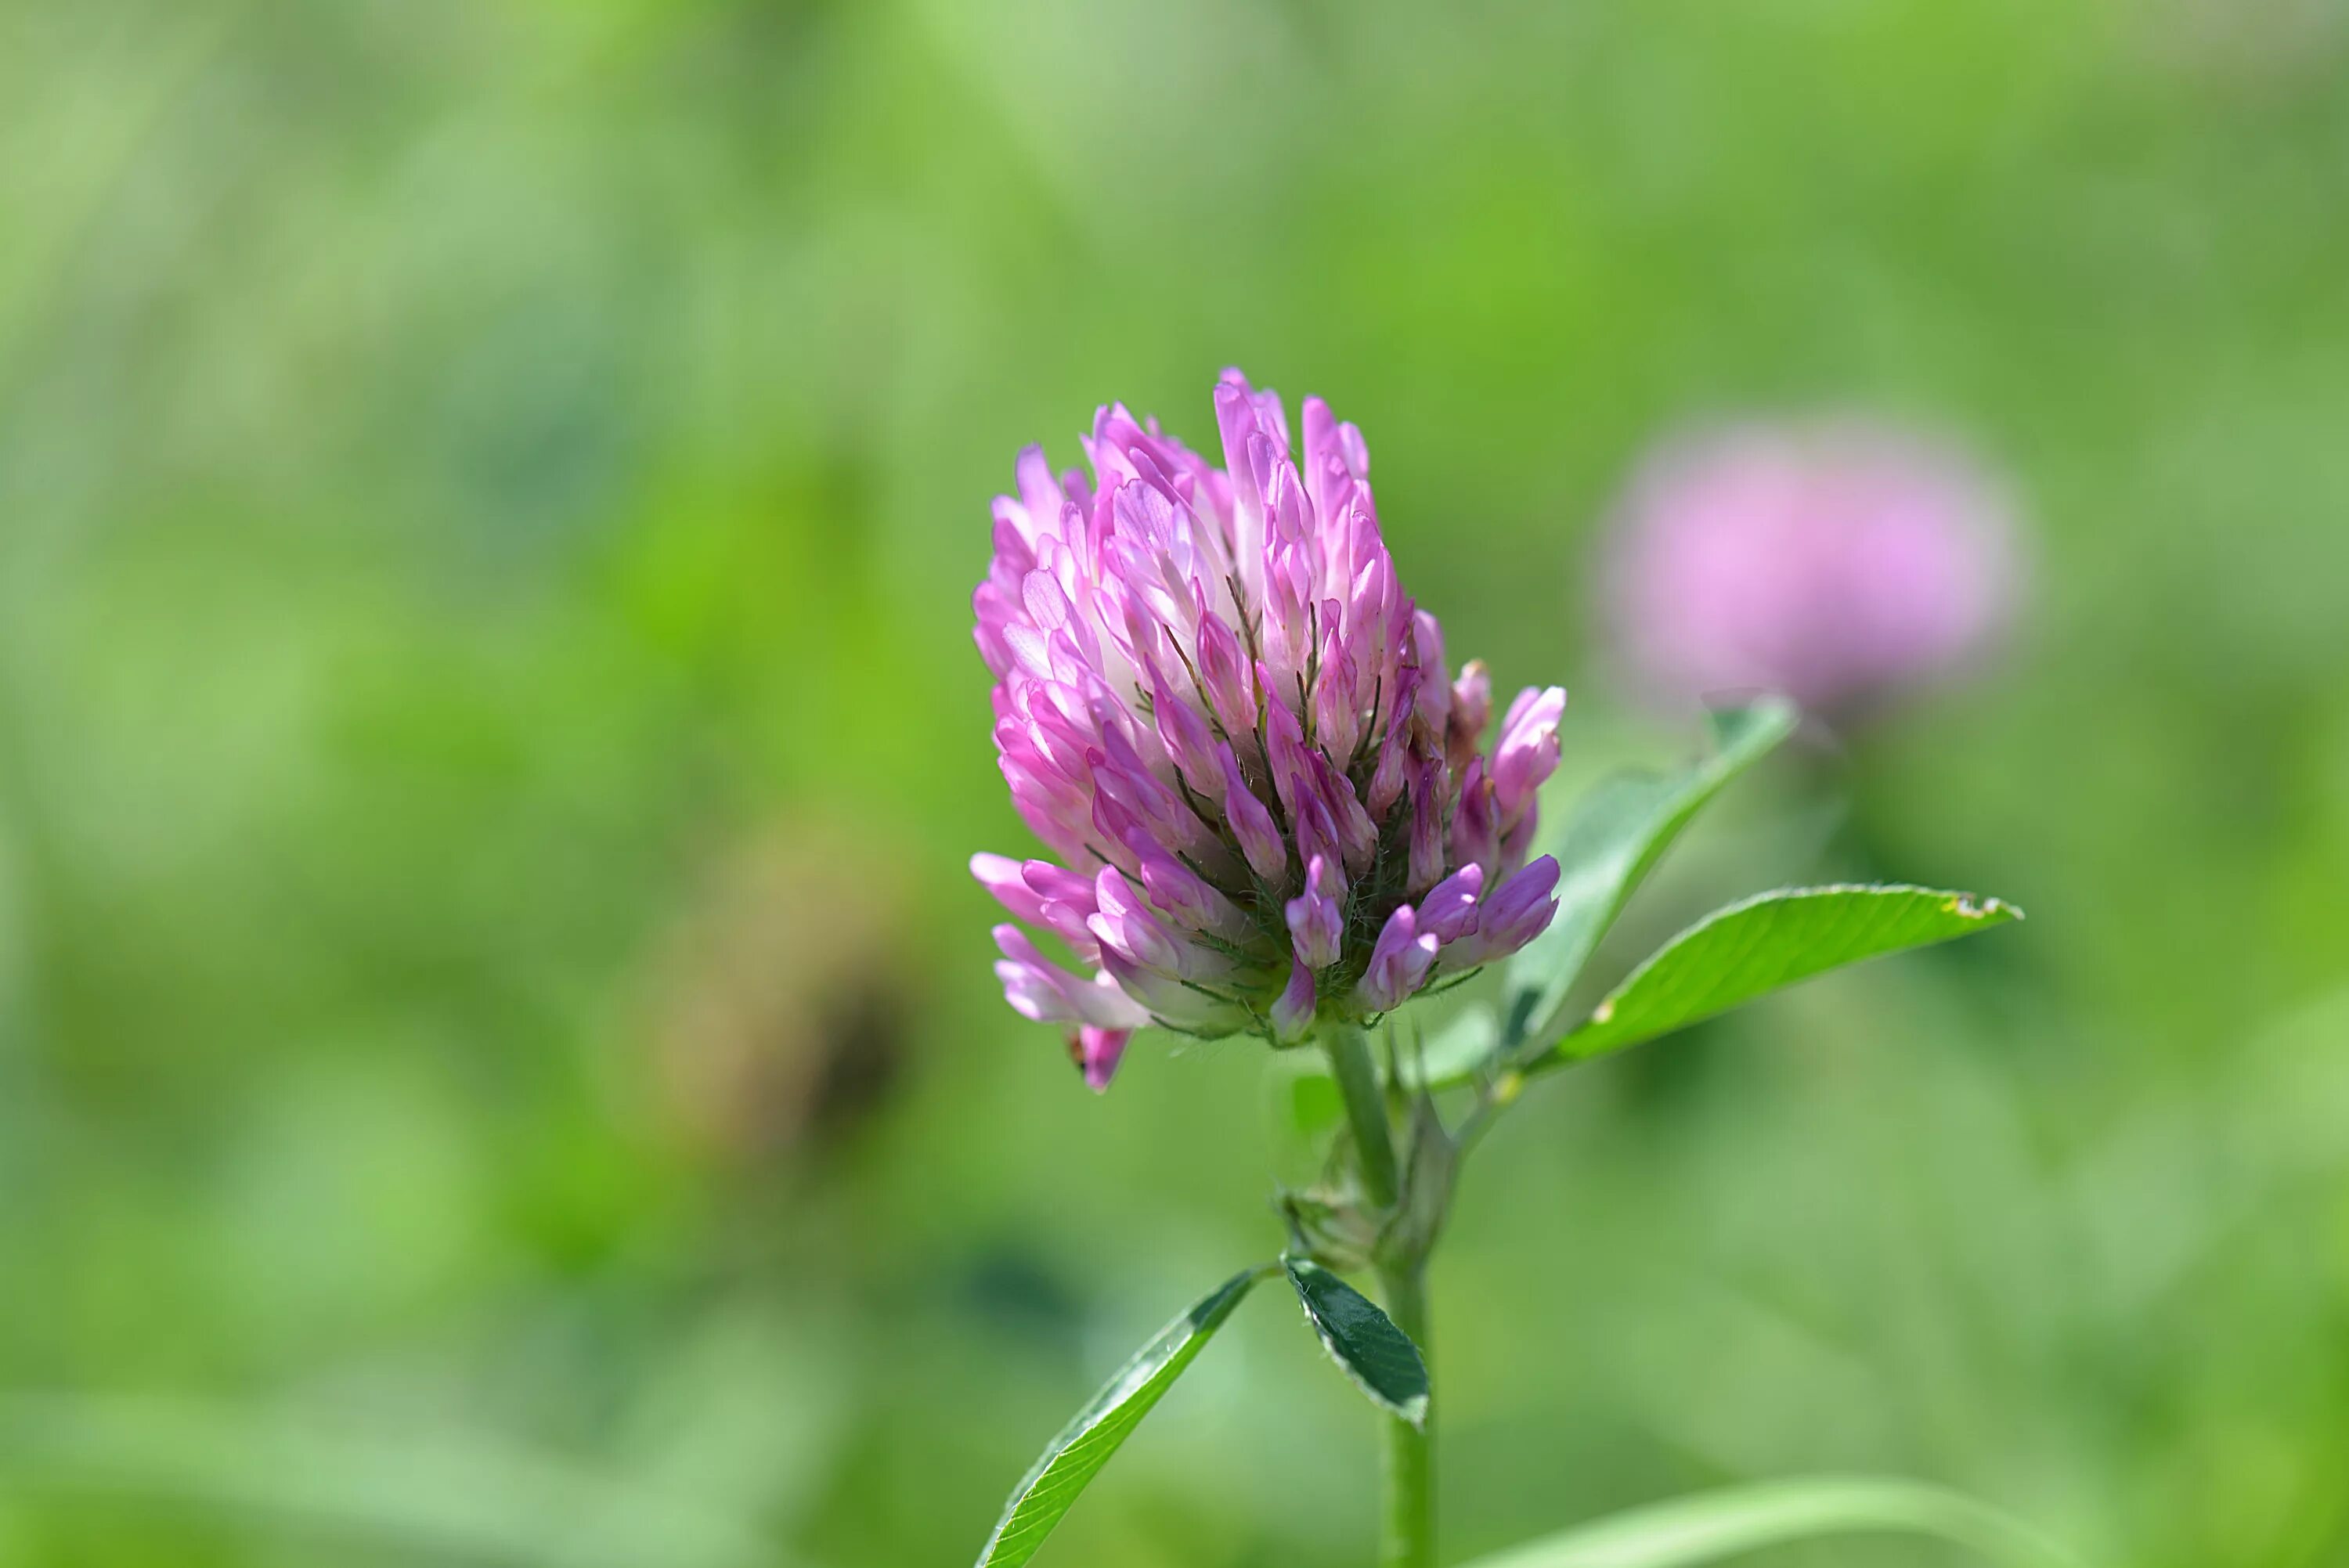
pixel 1077 1454
pixel 1766 944
pixel 1378 1357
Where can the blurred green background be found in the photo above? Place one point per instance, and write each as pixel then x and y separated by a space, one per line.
pixel 498 1061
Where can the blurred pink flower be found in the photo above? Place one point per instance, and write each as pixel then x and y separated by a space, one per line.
pixel 1841 564
pixel 1215 704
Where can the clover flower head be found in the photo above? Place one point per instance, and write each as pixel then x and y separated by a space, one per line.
pixel 1266 793
pixel 1842 564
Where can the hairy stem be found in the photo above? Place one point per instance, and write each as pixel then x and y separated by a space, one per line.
pixel 1366 1109
pixel 1407 1537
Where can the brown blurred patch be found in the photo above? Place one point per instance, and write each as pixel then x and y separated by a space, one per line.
pixel 780 1008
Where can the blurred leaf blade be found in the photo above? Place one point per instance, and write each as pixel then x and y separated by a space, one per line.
pixel 1617 834
pixel 441 1493
pixel 1453 1053
pixel 1302 1105
pixel 1713 1525
pixel 1766 944
pixel 1078 1453
pixel 1377 1358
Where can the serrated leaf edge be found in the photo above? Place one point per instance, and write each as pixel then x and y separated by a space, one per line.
pixel 1412 1410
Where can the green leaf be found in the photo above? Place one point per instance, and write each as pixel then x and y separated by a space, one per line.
pixel 1766 943
pixel 1069 1465
pixel 1717 1524
pixel 1614 839
pixel 1453 1053
pixel 1302 1104
pixel 1379 1357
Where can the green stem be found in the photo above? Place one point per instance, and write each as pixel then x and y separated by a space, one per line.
pixel 1407 1534
pixel 1408 1537
pixel 1366 1108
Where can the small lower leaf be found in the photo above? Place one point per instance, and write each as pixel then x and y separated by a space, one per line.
pixel 1378 1357
pixel 1717 1524
pixel 1069 1465
pixel 1769 942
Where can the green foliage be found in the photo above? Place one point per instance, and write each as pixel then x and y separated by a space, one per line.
pixel 1770 941
pixel 1077 1454
pixel 1713 1525
pixel 1377 1357
pixel 1614 838
pixel 490 491
pixel 1455 1052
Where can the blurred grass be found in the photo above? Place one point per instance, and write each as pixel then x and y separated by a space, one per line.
pixel 488 498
